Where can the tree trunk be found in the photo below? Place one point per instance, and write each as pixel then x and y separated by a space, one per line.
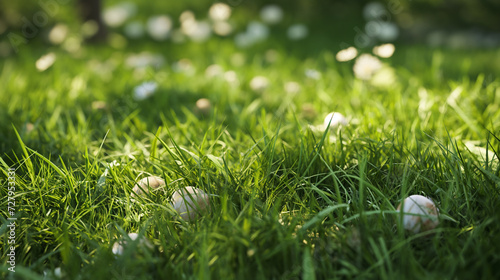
pixel 91 10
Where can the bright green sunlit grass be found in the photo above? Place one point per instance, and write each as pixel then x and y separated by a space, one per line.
pixel 289 201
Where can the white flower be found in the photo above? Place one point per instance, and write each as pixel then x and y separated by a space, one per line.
pixel 117 15
pixel 44 62
pixel 159 27
pixel 347 54
pixel 259 83
pixel 145 90
pixel 134 30
pixel 219 12
pixel 365 66
pixel 271 14
pixel 297 32
pixel 385 50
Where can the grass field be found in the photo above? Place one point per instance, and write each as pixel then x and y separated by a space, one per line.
pixel 289 199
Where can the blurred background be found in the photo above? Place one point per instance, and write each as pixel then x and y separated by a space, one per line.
pixel 459 24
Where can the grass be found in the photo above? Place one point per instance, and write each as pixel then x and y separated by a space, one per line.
pixel 289 201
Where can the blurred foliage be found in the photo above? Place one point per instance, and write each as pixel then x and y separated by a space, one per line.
pixel 458 13
pixel 442 13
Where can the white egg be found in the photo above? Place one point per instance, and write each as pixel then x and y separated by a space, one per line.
pixel 119 246
pixel 334 120
pixel 419 214
pixel 146 184
pixel 190 203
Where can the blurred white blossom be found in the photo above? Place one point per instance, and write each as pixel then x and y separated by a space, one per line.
pixel 44 62
pixel 58 33
pixel 347 54
pixel 385 50
pixel 374 10
pixel 257 31
pixel 243 40
pixel 292 87
pixel 271 14
pixel 271 56
pixel 89 28
pixel 365 66
pixel 184 66
pixel 384 78
pixel 297 32
pixel 313 74
pixel 144 59
pixel 259 83
pixel 72 44
pixel 113 164
pixel 222 28
pixel 197 31
pixel 145 90
pixel 178 36
pixel 214 70
pixel 231 77
pixel 116 16
pixel 201 31
pixel 186 16
pixel 219 12
pixel 159 27
pixel 134 30
pixel 384 31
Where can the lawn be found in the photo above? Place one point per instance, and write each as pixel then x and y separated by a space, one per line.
pixel 289 198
